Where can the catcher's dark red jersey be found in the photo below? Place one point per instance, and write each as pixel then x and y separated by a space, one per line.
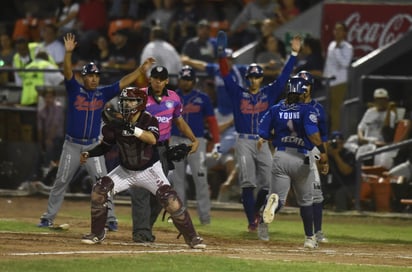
pixel 134 153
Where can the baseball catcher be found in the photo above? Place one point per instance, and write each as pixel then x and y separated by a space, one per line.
pixel 135 132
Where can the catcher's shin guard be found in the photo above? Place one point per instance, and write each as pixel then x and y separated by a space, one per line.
pixel 99 197
pixel 180 216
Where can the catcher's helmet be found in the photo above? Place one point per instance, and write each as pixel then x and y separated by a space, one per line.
pixel 90 68
pixel 132 94
pixel 297 85
pixel 254 70
pixel 187 73
pixel 306 75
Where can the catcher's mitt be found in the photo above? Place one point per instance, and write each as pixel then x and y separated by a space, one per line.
pixel 177 152
pixel 113 118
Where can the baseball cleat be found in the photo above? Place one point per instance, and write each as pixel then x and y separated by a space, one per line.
pixel 320 237
pixel 112 226
pixel 310 242
pixel 270 208
pixel 263 231
pixel 59 227
pixel 197 243
pixel 44 223
pixel 92 238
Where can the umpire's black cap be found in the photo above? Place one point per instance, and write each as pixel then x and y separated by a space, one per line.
pixel 159 72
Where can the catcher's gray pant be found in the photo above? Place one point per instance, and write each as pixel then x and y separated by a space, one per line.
pixel 199 174
pixel 254 165
pixel 290 169
pixel 68 165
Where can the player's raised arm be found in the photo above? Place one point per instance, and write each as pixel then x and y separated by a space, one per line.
pixel 69 44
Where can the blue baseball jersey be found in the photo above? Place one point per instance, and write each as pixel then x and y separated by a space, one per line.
pixel 291 124
pixel 249 108
pixel 322 121
pixel 237 73
pixel 196 107
pixel 87 106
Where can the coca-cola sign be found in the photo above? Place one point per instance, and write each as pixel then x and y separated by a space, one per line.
pixel 370 26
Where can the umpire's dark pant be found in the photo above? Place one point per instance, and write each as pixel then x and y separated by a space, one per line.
pixel 145 207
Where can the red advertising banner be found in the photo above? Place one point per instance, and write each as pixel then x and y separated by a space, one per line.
pixel 370 26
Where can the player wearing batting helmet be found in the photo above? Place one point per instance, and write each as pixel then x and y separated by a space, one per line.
pixel 139 166
pixel 85 104
pixel 296 132
pixel 249 105
pixel 314 175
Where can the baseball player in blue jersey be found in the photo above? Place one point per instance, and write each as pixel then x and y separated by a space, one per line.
pixel 314 175
pixel 84 107
pixel 197 109
pixel 296 132
pixel 249 105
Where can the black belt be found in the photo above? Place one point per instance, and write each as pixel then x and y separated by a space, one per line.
pixel 163 143
pixel 81 141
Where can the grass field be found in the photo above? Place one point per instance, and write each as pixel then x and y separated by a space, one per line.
pixel 357 242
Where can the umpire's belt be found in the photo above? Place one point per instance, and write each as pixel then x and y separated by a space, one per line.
pixel 81 141
pixel 292 149
pixel 248 136
pixel 163 143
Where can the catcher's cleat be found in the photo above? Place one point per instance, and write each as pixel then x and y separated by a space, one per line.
pixel 197 243
pixel 310 242
pixel 44 223
pixel 270 208
pixel 221 44
pixel 92 238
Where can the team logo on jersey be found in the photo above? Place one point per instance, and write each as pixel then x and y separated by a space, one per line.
pixel 313 118
pixel 169 104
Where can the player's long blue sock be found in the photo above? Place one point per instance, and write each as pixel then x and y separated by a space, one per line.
pixel 248 202
pixel 307 217
pixel 260 199
pixel 317 216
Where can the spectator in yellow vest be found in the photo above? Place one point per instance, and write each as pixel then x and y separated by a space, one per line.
pixel 25 54
pixel 32 79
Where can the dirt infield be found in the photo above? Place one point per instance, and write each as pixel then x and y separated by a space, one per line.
pixel 52 244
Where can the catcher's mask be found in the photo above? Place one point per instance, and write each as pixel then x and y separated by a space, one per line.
pixel 132 100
